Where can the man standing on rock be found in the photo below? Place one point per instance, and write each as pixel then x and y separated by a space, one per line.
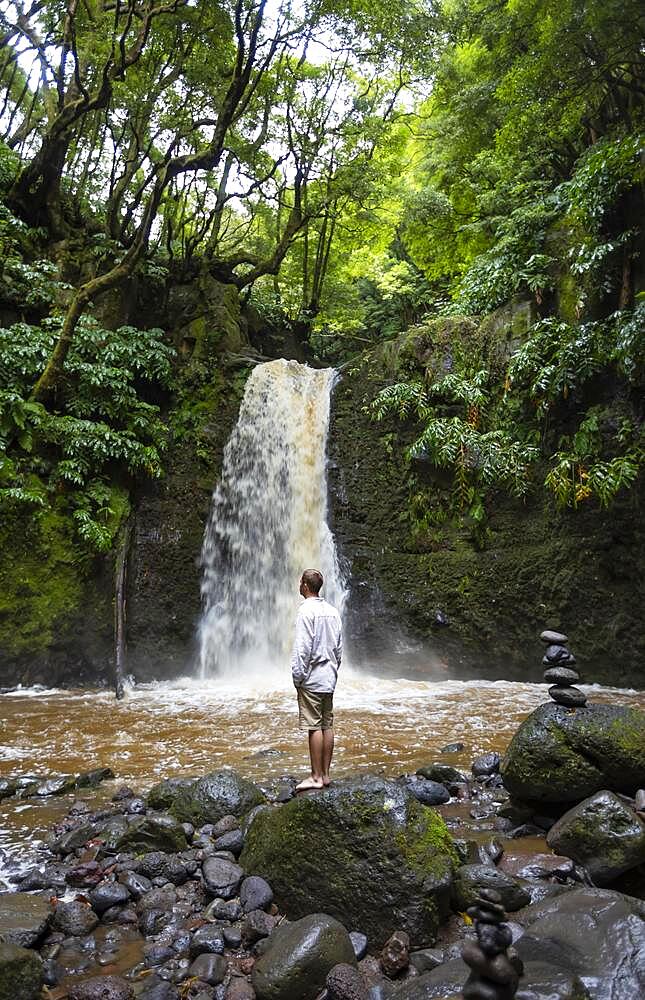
pixel 315 661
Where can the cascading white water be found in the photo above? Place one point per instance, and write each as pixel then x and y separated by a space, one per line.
pixel 268 522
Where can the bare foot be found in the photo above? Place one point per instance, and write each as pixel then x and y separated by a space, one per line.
pixel 309 783
pixel 326 782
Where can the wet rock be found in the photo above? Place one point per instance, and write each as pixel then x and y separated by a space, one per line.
pixel 68 842
pixel 135 807
pixel 21 973
pixel 603 834
pixel 232 841
pixel 541 866
pixel 122 793
pixel 154 988
pixel 554 638
pixel 225 825
pixel 209 968
pixel 556 653
pixel 232 936
pixel 452 748
pixel 108 894
pixel 486 764
pixel 563 676
pixel 559 756
pixel 430 793
pixel 51 877
pixel 442 773
pixel 92 779
pixel 256 925
pixel 359 944
pixel 639 800
pixel 55 786
pixel 102 988
pixel 300 956
pixel 23 919
pixel 383 861
pixel 156 954
pixel 471 879
pixel 255 894
pixel 85 876
pixel 208 940
pixel 596 934
pixel 223 793
pixel 222 878
pixel 136 884
pixel 570 697
pixel 158 864
pixel 395 954
pixel 344 982
pixel 162 795
pixel 239 989
pixel 222 909
pixel 152 833
pixel 426 959
pixel 74 918
pixel 480 849
pixel 8 787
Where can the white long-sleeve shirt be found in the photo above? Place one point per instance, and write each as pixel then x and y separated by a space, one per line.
pixel 318 646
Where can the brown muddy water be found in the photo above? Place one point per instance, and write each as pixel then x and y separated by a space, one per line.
pixel 190 728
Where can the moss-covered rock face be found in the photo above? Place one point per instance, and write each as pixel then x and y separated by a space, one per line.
pixel 21 973
pixel 561 755
pixel 418 573
pixel 365 852
pixel 299 956
pixel 55 603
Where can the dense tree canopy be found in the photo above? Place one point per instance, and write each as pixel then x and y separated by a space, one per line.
pixel 350 167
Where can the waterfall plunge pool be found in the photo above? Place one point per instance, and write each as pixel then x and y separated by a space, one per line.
pixel 190 727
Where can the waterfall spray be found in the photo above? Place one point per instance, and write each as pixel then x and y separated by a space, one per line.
pixel 268 522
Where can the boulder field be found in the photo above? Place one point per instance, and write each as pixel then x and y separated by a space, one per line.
pixel 214 888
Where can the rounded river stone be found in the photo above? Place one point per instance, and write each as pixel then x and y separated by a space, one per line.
pixel 299 957
pixel 571 697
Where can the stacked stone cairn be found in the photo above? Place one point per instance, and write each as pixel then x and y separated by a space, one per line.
pixel 495 971
pixel 560 673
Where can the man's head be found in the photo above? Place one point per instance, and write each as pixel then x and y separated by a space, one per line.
pixel 311 583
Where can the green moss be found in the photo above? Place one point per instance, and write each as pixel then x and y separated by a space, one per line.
pixel 41 580
pixel 426 844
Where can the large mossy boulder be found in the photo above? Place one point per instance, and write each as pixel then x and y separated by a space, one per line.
pixel 364 851
pixel 209 799
pixel 602 833
pixel 560 755
pixel 21 973
pixel 299 957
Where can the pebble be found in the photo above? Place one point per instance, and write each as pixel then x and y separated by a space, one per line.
pixel 486 764
pixel 554 638
pixel 255 894
pixel 562 676
pixel 211 969
pixel 570 697
pixel 232 841
pixel 232 936
pixel 395 955
pixel 256 925
pixel 207 940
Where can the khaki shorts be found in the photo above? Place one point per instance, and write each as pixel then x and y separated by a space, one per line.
pixel 316 710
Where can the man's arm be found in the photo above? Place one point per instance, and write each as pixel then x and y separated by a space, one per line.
pixel 302 648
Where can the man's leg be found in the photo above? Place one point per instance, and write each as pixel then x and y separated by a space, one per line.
pixel 328 751
pixel 316 751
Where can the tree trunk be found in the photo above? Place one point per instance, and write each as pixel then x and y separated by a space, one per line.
pixel 120 611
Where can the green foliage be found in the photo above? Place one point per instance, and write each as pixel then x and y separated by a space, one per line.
pixel 102 426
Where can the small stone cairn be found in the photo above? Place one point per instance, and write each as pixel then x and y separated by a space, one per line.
pixel 560 673
pixel 495 972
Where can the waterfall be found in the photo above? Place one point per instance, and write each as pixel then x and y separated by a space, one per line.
pixel 268 522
